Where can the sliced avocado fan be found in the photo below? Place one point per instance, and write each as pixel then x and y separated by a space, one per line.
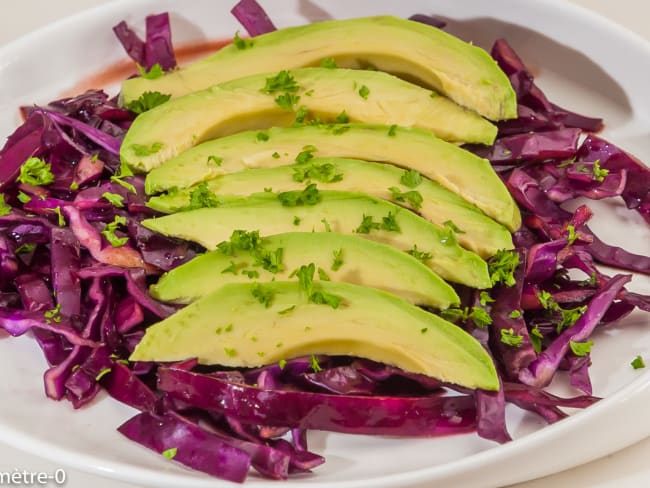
pixel 337 257
pixel 253 324
pixel 475 231
pixel 261 101
pixel 463 72
pixel 311 210
pixel 456 169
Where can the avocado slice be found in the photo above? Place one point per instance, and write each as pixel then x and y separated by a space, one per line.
pixel 479 233
pixel 365 96
pixel 340 257
pixel 346 213
pixel 431 57
pixel 456 169
pixel 231 327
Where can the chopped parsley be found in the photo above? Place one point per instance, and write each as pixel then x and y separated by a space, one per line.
pixel 305 276
pixel 152 73
pixel 411 178
pixel 287 310
pixel 275 155
pixel 252 274
pixel 240 43
pixel 388 223
pixel 515 314
pixel 35 171
pixel 301 114
pixel 367 224
pixel 509 338
pixel 412 197
pixel 322 275
pixel 59 216
pixel 25 248
pixel 5 209
pixel 572 234
pixel 328 63
pixel 325 173
pixel 364 91
pixel 232 268
pixel 338 260
pixel 296 220
pixel 502 267
pixel 240 240
pixel 420 255
pixel 392 131
pixel 263 295
pixel 282 82
pixel 114 198
pixel 141 150
pixel 342 118
pixel 53 314
pixel 282 363
pixel 599 173
pixel 109 232
pixel 202 197
pixel 230 352
pixel 580 348
pixel 485 298
pixel 306 154
pixel 218 161
pixel 477 315
pixel 170 453
pixel 23 197
pixel 313 362
pixel 328 227
pixel 638 363
pixel 286 101
pixel 536 339
pixel 453 227
pixel 569 316
pixel 147 101
pixel 271 261
pixel 297 198
pixel 102 373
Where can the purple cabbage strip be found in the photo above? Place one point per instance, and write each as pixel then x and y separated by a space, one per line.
pixel 618 257
pixel 431 20
pixel 158 46
pixel 420 416
pixel 541 371
pixel 17 322
pixel 541 146
pixel 252 17
pixel 25 142
pixel 132 44
pixel 491 415
pixel 100 138
pixel 65 257
pixel 190 445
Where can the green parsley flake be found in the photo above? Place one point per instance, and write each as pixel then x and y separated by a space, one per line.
pixel 114 198
pixel 230 352
pixel 298 198
pixel 305 276
pixel 509 338
pixel 328 227
pixel 342 118
pixel 25 248
pixel 286 101
pixel 35 171
pixel 480 317
pixel 485 298
pixel 453 227
pixel 515 314
pixel 325 173
pixel 109 232
pixel 287 310
pixel 283 81
pixel 218 161
pixel 240 43
pixel 367 224
pixel 536 337
pixel 420 255
pixel 411 178
pixel 74 186
pixel 282 363
pixel 502 267
pixel 413 198
pixel 232 268
pixel 392 131
pixel 102 373
pixel 170 453
pixel 59 216
pixel 23 197
pixel 263 295
pixel 301 114
pixel 338 260
pixel 328 63
pixel 389 223
pixel 306 154
pixel 322 275
pixel 638 363
pixel 271 261
pixel 314 364
pixel 5 209
pixel 572 234
pixel 123 184
pixel 296 220
pixel 364 91
pixel 275 155
pixel 581 348
pixel 141 150
pixel 53 314
pixel 599 173
pixel 202 197
pixel 251 274
pixel 147 101
pixel 154 72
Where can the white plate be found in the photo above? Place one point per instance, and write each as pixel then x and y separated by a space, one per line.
pixel 585 63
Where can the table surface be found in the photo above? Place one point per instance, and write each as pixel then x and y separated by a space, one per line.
pixel 628 468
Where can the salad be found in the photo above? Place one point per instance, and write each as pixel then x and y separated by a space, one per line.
pixel 85 243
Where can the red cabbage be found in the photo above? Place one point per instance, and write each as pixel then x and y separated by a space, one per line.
pixel 252 17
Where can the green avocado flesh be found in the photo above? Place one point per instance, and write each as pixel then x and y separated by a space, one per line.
pixel 181 123
pixel 455 169
pixel 480 233
pixel 232 327
pixel 340 257
pixel 339 212
pixel 426 55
